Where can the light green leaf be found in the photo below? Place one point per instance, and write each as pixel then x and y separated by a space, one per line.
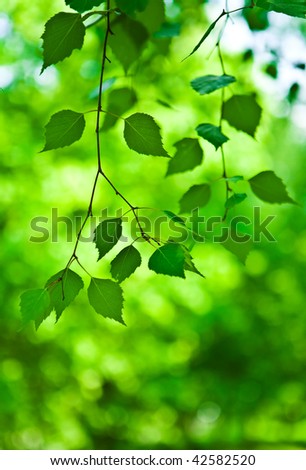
pixel 119 102
pixel 197 196
pixel 270 188
pixel 242 112
pixel 142 134
pixel 83 5
pixel 34 303
pixel 63 129
pixel 189 264
pixel 63 287
pixel 63 33
pixel 289 7
pixel 128 40
pixel 189 154
pixel 212 134
pixel 106 297
pixel 153 16
pixel 168 259
pixel 125 263
pixel 235 199
pixel 107 235
pixel 210 83
pixel 234 179
pixel 131 6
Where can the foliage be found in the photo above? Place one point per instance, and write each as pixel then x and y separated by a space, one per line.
pixel 190 370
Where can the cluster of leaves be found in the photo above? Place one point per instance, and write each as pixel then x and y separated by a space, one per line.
pixel 131 27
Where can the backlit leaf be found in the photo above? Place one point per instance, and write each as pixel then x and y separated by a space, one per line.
pixel 83 5
pixel 209 83
pixel 189 264
pixel 107 235
pixel 125 263
pixel 242 112
pixel 142 134
pixel 63 287
pixel 168 259
pixel 34 303
pixel 119 102
pixel 153 16
pixel 64 128
pixel 63 33
pixel 197 196
pixel 106 297
pixel 239 245
pixel 189 154
pixel 212 134
pixel 270 188
pixel 235 199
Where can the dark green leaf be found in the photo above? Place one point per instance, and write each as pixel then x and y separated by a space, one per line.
pixel 64 128
pixel 240 249
pixel 196 196
pixel 189 264
pixel 125 263
pixel 34 304
pixel 168 30
pixel 142 134
pixel 235 199
pixel 243 113
pixel 107 235
pixel 106 297
pixel 153 16
pixel 175 218
pixel 63 33
pixel 205 35
pixel 131 6
pixel 83 5
pixel 189 154
pixel 292 8
pixel 128 40
pixel 63 287
pixel 212 134
pixel 119 102
pixel 270 188
pixel 168 259
pixel 210 83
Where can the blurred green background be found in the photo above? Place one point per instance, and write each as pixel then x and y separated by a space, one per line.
pixel 202 364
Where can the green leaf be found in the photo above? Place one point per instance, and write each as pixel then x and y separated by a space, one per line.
pixel 128 40
pixel 292 8
pixel 63 287
pixel 142 134
pixel 175 218
pixel 125 263
pixel 64 128
pixel 235 199
pixel 240 249
pixel 212 134
pixel 131 6
pixel 107 235
pixel 168 30
pixel 189 264
pixel 119 102
pixel 205 35
pixel 106 297
pixel 168 259
pixel 83 5
pixel 270 188
pixel 153 16
pixel 189 154
pixel 234 179
pixel 63 33
pixel 209 83
pixel 196 196
pixel 33 304
pixel 242 112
